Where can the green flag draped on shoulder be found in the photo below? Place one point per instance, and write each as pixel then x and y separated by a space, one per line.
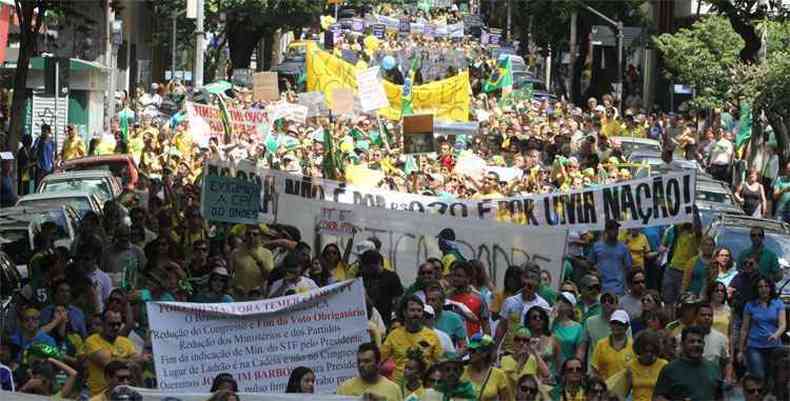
pixel 502 77
pixel 745 126
pixel 330 163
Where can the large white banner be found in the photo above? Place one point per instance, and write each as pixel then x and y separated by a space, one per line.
pixel 154 395
pixel 260 342
pixel 659 200
pixel 408 239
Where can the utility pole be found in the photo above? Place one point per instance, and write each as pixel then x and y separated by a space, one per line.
pixel 509 20
pixel 173 49
pixel 109 94
pixel 197 79
pixel 573 44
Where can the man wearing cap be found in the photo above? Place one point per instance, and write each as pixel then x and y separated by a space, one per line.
pixel 613 353
pixel 612 259
pixel 216 288
pixel 251 263
pixel 514 307
pixel 444 338
pixel 370 383
pixel 412 334
pixel 689 377
pixel 452 386
pixel 597 328
pixel 687 314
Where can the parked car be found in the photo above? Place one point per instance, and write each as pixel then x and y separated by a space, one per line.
pixel 19 226
pixel 632 144
pixel 293 64
pixel 539 91
pixel 713 198
pixel 101 182
pixel 732 231
pixel 122 167
pixel 82 201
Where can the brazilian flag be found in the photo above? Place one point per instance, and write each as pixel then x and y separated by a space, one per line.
pixel 502 77
pixel 330 164
pixel 406 98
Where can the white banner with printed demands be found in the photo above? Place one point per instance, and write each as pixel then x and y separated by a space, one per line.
pixel 659 200
pixel 155 395
pixel 408 239
pixel 260 342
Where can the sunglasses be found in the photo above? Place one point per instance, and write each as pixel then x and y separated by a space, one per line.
pixel 571 369
pixel 756 235
pixel 123 378
pixel 753 390
pixel 646 300
pixel 595 287
pixel 528 389
pixel 521 339
pixel 639 281
pixel 536 317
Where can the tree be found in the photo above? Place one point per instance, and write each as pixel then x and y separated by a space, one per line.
pixel 31 18
pixel 703 56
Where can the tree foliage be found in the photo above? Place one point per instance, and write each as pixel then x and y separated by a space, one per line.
pixel 703 56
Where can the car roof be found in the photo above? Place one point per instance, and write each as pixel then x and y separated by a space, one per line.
pixel 637 140
pixel 749 222
pixel 712 186
pixel 57 195
pixel 22 216
pixel 96 160
pixel 65 175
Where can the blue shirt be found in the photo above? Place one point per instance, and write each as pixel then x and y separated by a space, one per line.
pixel 46 155
pixel 76 318
pixel 41 337
pixel 613 261
pixel 7 191
pixel 654 234
pixel 764 323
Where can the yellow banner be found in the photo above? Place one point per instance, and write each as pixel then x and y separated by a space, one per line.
pixel 447 99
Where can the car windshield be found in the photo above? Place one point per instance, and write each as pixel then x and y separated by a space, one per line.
pixel 737 240
pixel 714 196
pixel 80 203
pixel 96 185
pixel 630 147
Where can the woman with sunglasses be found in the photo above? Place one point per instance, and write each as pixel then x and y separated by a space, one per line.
pixel 490 383
pixel 722 314
pixel 650 302
pixel 568 333
pixel 571 384
pixel 536 320
pixel 528 389
pixel 331 260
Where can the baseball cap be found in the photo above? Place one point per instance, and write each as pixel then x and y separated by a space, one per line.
pixel 364 246
pixel 428 309
pixel 621 316
pixel 612 224
pixel 480 341
pixel 569 297
pixel 688 298
pixel 220 271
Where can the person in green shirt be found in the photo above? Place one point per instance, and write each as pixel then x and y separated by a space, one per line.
pixel 689 377
pixel 767 260
pixel 781 195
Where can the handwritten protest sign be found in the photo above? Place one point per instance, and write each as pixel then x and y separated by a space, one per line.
pixel 208 117
pixel 659 200
pixel 342 100
pixel 371 90
pixel 334 221
pixel 410 238
pixel 265 86
pixel 260 342
pixel 231 200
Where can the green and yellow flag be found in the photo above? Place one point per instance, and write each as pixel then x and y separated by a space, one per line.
pixel 406 96
pixel 502 77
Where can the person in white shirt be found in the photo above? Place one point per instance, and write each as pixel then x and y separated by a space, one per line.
pixel 720 157
pixel 444 338
pixel 292 283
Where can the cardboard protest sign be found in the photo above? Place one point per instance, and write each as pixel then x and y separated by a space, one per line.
pixel 334 221
pixel 208 118
pixel 342 100
pixel 659 200
pixel 314 101
pixel 408 239
pixel 371 90
pixel 379 30
pixel 260 342
pixel 265 86
pixel 404 27
pixel 418 134
pixel 230 200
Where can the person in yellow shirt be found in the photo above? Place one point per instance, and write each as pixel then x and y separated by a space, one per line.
pixel 641 373
pixel 613 353
pixel 116 373
pixel 490 383
pixel 637 245
pixel 251 264
pixel 411 334
pixel 73 147
pixel 370 383
pixel 101 348
pixel 526 360
pixel 682 243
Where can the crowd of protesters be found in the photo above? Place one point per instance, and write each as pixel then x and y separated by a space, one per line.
pixel 658 313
